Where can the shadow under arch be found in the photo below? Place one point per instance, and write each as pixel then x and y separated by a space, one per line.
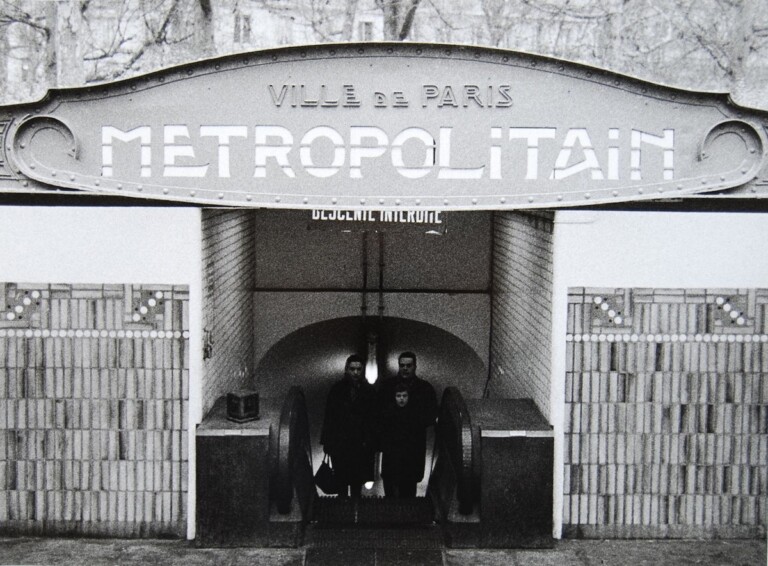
pixel 313 358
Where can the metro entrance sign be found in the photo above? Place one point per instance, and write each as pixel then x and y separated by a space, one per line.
pixel 383 126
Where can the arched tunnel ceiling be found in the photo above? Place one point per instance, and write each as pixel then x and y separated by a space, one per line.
pixel 313 357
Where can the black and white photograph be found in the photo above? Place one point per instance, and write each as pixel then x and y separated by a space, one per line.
pixel 383 282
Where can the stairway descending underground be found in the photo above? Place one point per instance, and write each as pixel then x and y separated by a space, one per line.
pixel 373 531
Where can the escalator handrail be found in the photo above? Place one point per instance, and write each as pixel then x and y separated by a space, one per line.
pixel 293 448
pixel 455 430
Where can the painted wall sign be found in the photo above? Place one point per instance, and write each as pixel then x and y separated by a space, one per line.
pixel 379 127
pixel 356 220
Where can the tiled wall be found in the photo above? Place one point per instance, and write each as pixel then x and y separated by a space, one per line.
pixel 522 307
pixel 666 422
pixel 94 388
pixel 228 266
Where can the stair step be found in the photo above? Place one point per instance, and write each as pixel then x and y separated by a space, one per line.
pixel 373 511
pixel 360 537
pixel 373 557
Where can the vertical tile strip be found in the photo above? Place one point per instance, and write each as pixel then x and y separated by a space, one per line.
pixel 682 432
pixel 80 375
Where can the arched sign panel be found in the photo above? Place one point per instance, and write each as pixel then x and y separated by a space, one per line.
pixel 385 127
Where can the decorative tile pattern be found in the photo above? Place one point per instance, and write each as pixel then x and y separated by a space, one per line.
pixel 93 410
pixel 610 312
pixel 666 428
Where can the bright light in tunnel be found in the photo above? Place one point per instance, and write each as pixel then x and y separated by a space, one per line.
pixel 372 366
pixel 371 370
pixel 369 485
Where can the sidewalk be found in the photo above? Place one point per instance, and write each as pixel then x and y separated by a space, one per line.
pixel 88 552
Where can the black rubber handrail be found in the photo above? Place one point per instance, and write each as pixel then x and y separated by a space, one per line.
pixel 455 434
pixel 294 454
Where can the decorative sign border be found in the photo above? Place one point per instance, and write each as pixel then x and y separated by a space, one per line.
pixel 47 147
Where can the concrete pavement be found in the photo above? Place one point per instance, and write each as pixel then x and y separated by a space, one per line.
pixel 92 552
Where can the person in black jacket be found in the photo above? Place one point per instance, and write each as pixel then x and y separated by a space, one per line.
pixel 422 402
pixel 349 428
pixel 402 464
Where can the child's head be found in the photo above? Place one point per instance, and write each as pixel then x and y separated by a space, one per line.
pixel 401 395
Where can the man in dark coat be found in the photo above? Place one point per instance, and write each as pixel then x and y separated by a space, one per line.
pixel 422 402
pixel 349 427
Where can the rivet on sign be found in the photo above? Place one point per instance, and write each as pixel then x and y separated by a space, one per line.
pixel 587 195
pixel 640 191
pixel 277 199
pixel 192 193
pixel 334 200
pixel 165 191
pixel 221 195
pixel 97 182
pixel 306 200
pixel 397 201
pixel 362 201
pixel 530 199
pixel 503 200
pixel 615 193
pixel 53 173
pixel 71 177
pixel 248 197
pixel 418 201
pixel 119 187
pixel 381 201
pixel 559 197
pixel 31 165
pixel 445 201
pixel 661 189
pixel 474 201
